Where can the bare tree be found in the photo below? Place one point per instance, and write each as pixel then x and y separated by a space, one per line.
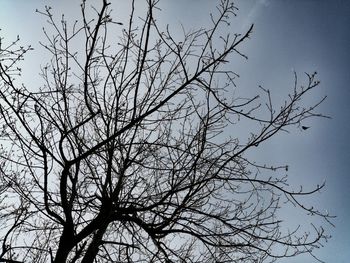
pixel 121 155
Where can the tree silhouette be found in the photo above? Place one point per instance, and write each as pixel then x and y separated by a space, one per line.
pixel 122 154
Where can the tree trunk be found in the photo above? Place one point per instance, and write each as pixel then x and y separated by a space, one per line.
pixel 65 246
pixel 92 250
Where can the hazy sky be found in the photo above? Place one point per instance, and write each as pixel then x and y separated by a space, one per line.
pixel 300 35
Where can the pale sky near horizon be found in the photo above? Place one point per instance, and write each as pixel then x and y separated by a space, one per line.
pixel 300 35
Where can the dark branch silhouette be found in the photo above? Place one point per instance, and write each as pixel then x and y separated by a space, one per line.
pixel 121 154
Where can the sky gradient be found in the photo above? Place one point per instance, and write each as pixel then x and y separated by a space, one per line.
pixel 300 35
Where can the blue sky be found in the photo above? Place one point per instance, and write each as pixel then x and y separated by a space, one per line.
pixel 300 35
pixel 305 36
pixel 311 36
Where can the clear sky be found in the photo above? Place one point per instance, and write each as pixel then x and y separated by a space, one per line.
pixel 300 35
